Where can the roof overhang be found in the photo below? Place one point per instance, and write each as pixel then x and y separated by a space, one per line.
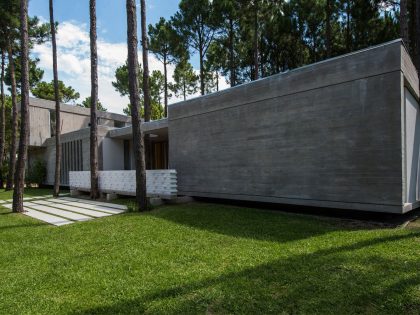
pixel 157 129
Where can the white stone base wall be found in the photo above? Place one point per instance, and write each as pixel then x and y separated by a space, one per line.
pixel 159 183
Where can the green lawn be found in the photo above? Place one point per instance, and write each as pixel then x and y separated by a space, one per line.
pixel 207 259
pixel 29 192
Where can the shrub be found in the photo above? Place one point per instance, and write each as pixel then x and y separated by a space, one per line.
pixel 132 207
pixel 36 173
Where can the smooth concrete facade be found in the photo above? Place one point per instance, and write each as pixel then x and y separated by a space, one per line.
pixel 334 134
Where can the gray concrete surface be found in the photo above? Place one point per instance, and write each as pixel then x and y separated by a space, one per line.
pixel 331 134
pixel 73 118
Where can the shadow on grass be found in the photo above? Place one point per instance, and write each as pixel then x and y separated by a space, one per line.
pixel 251 223
pixel 346 279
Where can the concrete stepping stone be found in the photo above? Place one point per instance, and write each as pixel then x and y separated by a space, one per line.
pixel 48 218
pixel 51 219
pixel 62 213
pixel 99 203
pixel 92 213
pixel 90 206
pixel 29 198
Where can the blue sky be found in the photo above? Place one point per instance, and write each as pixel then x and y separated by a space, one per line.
pixel 73 44
pixel 111 15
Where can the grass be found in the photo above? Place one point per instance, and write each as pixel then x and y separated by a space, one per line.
pixel 29 192
pixel 207 259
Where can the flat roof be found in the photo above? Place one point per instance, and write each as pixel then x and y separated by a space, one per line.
pixel 156 127
pixel 308 66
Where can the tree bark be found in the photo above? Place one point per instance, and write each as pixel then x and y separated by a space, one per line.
pixel 411 20
pixel 348 25
pixel 24 111
pixel 2 118
pixel 133 74
pixel 328 28
pixel 56 191
pixel 165 74
pixel 94 193
pixel 146 80
pixel 404 23
pixel 202 85
pixel 145 49
pixel 256 49
pixel 417 34
pixel 232 54
pixel 13 140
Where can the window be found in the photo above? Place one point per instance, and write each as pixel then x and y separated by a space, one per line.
pixel 71 159
pixel 119 124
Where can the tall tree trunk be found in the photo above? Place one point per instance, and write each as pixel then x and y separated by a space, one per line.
pixel 24 111
pixel 165 74
pixel 146 80
pixel 56 191
pixel 232 54
pixel 94 192
pixel 2 118
pixel 145 49
pixel 13 140
pixel 184 90
pixel 416 17
pixel 133 82
pixel 348 26
pixel 256 49
pixel 202 85
pixel 404 23
pixel 411 17
pixel 328 28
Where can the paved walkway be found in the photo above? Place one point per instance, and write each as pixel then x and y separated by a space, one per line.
pixel 65 210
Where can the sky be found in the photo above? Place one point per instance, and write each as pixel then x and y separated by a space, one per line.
pixel 73 44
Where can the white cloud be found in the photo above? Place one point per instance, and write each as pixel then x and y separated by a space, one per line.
pixel 73 48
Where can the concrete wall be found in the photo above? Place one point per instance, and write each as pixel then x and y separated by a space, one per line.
pixel 73 154
pixel 73 118
pixel 39 122
pixel 328 134
pixel 113 154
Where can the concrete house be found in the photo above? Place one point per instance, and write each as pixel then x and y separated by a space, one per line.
pixel 114 140
pixel 342 133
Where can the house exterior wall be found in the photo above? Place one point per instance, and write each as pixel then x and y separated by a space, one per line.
pixel 75 157
pixel 113 154
pixel 327 135
pixel 39 125
pixel 73 118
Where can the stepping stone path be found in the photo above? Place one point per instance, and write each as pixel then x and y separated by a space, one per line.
pixel 65 210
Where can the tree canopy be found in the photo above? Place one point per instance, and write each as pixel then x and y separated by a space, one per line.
pixel 245 40
pixel 87 103
pixel 45 90
pixel 156 89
